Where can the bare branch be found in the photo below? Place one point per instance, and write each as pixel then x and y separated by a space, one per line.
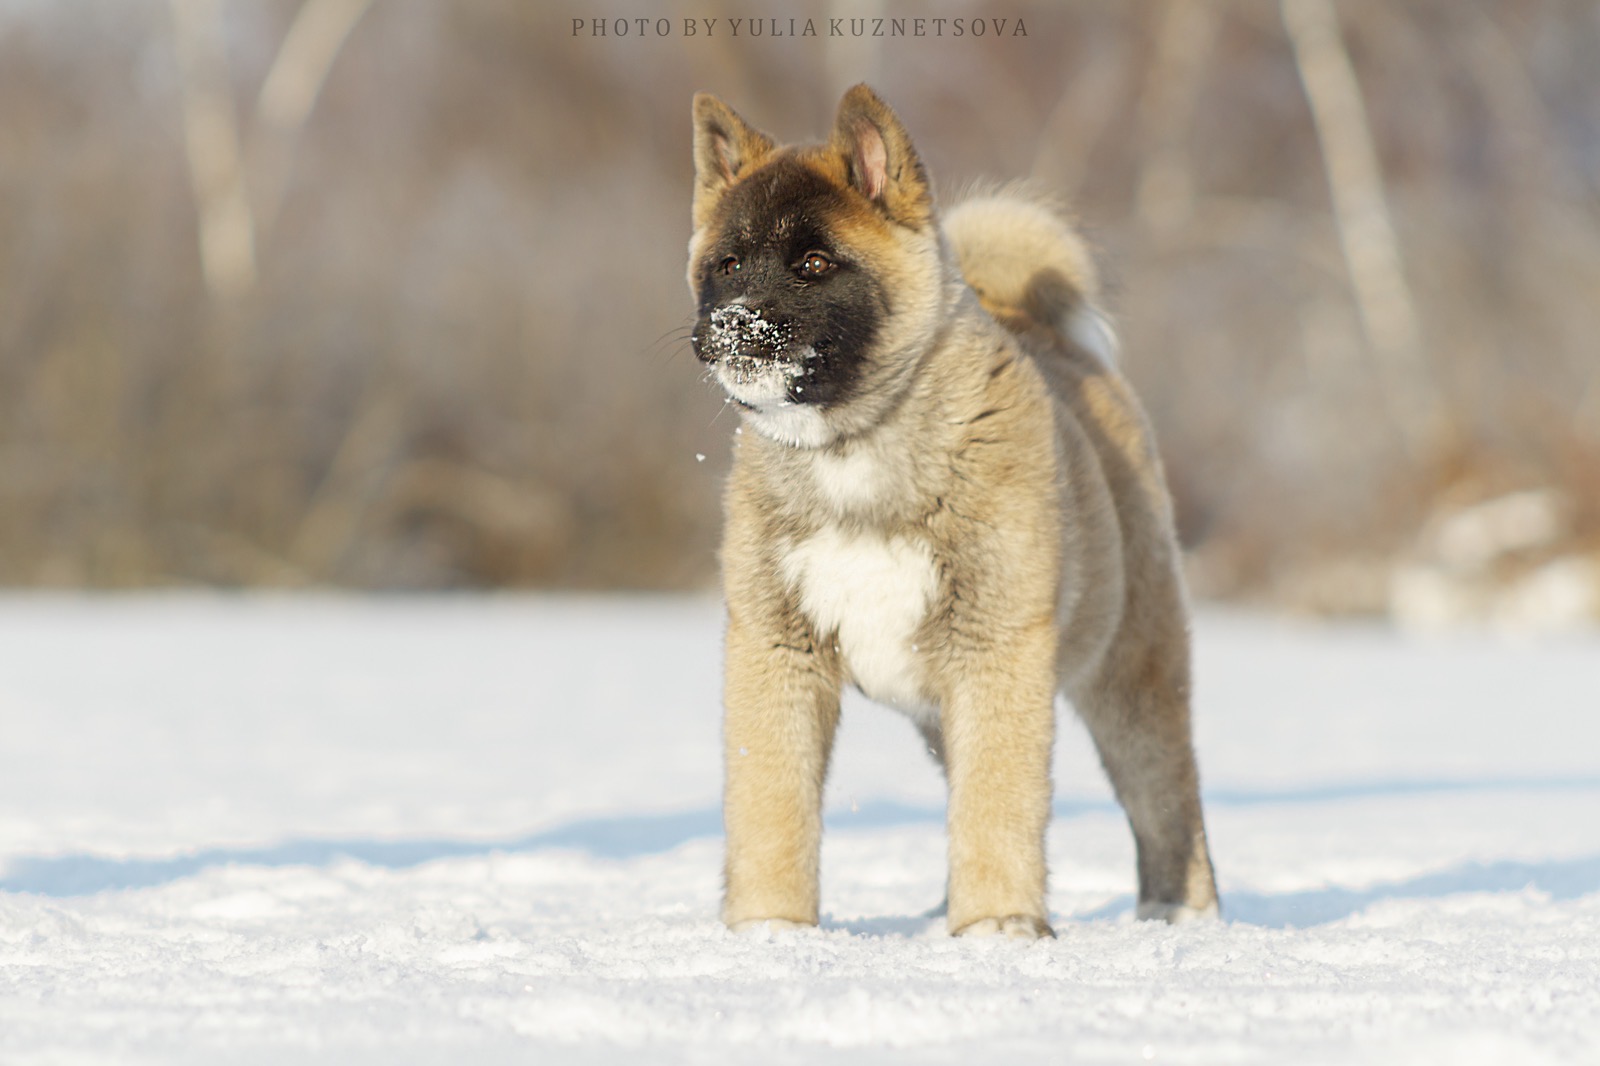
pixel 315 38
pixel 1166 112
pixel 211 137
pixel 1366 230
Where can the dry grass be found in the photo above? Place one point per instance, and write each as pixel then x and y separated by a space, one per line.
pixel 457 358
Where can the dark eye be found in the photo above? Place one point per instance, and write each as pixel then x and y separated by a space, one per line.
pixel 815 264
pixel 730 265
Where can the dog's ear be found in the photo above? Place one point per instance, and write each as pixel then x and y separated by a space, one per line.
pixel 725 146
pixel 883 165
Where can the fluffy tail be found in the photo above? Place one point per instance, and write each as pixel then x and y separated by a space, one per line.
pixel 1031 270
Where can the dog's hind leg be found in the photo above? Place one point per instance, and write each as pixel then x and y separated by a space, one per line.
pixel 1136 706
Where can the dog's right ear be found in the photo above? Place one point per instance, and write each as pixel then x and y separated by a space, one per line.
pixel 725 146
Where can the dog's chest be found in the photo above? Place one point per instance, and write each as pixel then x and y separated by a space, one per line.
pixel 873 591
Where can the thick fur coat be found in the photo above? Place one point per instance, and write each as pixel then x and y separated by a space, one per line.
pixel 946 495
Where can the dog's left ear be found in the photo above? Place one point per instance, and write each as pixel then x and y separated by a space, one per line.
pixel 884 167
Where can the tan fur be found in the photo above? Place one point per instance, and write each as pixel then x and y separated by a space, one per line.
pixel 1009 475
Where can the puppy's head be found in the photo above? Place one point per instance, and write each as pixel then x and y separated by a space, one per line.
pixel 817 270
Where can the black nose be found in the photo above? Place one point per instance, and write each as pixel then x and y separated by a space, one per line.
pixel 741 332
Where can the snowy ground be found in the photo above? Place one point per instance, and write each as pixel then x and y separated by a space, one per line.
pixel 486 831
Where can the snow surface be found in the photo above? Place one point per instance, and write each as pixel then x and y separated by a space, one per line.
pixel 486 830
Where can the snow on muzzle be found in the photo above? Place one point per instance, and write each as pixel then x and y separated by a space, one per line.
pixel 752 355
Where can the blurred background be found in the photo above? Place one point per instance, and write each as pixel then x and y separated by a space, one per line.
pixel 388 294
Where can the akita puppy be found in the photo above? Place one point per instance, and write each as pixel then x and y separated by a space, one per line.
pixel 949 498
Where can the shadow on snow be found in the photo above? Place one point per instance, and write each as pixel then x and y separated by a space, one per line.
pixel 1561 879
pixel 632 836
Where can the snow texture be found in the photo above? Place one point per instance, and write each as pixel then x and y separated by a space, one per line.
pixel 486 830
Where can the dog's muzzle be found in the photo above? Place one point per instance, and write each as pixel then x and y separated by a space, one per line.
pixel 743 333
pixel 754 357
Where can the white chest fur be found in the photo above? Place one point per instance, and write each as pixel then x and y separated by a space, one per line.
pixel 850 481
pixel 873 592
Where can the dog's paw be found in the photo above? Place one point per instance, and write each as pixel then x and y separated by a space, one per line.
pixel 1012 927
pixel 769 925
pixel 1176 913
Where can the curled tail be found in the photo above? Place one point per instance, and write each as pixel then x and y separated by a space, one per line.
pixel 1031 270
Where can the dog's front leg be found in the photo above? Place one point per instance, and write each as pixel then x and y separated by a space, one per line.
pixel 999 726
pixel 781 705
